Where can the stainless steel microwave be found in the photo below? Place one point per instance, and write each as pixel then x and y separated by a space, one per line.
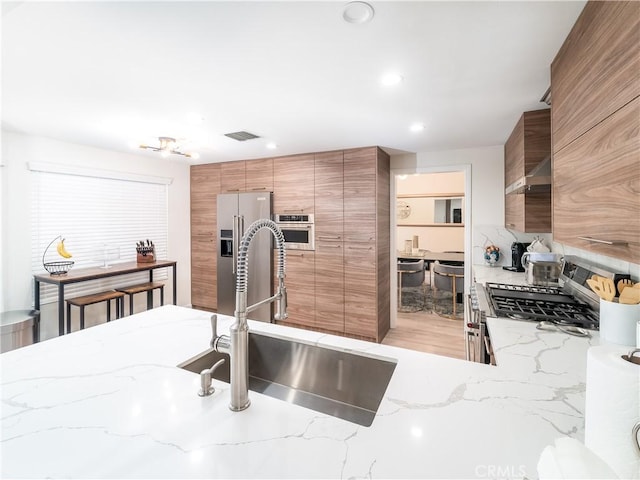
pixel 298 230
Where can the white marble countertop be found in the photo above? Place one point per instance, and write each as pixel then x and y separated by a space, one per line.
pixel 109 402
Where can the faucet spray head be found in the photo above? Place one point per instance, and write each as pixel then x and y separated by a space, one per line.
pixel 281 306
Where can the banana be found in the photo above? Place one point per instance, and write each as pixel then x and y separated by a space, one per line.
pixel 61 250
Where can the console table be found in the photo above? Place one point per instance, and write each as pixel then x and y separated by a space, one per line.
pixel 94 273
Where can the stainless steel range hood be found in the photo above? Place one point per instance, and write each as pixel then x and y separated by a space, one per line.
pixel 539 180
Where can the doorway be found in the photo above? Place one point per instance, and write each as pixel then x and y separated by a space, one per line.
pixel 427 200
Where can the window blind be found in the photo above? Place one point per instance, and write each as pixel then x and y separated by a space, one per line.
pixel 101 219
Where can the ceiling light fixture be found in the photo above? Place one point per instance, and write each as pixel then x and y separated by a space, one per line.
pixel 417 127
pixel 168 146
pixel 272 146
pixel 357 12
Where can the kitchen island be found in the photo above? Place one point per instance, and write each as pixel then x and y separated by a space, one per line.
pixel 109 402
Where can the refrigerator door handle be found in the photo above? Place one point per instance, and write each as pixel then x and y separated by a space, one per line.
pixel 235 243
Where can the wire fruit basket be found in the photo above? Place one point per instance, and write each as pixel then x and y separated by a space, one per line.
pixel 60 267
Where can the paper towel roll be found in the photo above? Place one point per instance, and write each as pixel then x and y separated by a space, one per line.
pixel 415 241
pixel 612 408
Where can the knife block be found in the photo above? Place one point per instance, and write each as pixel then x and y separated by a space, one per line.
pixel 146 255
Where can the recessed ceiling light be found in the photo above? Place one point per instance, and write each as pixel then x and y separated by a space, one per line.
pixel 357 12
pixel 272 146
pixel 417 127
pixel 391 79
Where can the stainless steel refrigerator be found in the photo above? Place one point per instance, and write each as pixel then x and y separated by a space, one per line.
pixel 236 211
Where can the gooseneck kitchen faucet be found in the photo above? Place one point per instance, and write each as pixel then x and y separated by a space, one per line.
pixel 236 345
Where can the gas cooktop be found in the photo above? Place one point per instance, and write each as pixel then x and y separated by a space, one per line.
pixel 536 303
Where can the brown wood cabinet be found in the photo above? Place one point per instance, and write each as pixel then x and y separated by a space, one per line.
pixel 527 146
pixel 293 180
pixel 232 177
pixel 366 232
pixel 329 241
pixel 595 94
pixel 259 175
pixel 205 186
pixel 300 284
pixel 343 286
pixel 597 188
pixel 595 73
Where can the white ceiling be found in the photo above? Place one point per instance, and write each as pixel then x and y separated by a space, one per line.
pixel 110 74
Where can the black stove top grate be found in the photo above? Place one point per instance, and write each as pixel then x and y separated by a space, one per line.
pixel 535 303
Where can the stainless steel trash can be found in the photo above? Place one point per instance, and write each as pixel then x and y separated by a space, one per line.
pixel 18 328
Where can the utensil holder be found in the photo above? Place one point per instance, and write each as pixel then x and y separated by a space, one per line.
pixel 146 254
pixel 618 322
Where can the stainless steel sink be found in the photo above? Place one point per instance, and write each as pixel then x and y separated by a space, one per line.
pixel 336 382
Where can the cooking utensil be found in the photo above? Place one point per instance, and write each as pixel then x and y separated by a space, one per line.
pixel 570 329
pixel 624 283
pixel 630 296
pixel 603 287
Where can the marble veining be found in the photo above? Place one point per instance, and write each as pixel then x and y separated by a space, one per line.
pixel 109 402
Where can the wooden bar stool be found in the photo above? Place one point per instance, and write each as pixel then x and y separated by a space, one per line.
pixel 148 287
pixel 96 298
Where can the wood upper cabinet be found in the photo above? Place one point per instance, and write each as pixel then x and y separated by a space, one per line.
pixel 259 175
pixel 527 146
pixel 205 186
pixel 595 72
pixel 293 180
pixel 360 212
pixel 596 188
pixel 329 241
pixel 232 177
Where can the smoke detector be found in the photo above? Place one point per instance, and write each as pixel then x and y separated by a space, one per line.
pixel 357 12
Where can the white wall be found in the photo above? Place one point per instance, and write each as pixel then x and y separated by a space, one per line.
pixel 18 150
pixel 435 238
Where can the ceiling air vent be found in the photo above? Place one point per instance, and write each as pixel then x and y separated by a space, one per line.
pixel 241 136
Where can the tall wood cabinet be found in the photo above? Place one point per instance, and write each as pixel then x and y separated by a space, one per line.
pixel 329 241
pixel 205 186
pixel 343 286
pixel 527 146
pixel 595 92
pixel 366 233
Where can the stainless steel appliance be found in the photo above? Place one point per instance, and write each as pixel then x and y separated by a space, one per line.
pixel 542 268
pixel 570 305
pixel 298 230
pixel 236 211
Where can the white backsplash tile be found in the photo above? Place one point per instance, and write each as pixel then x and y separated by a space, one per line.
pixel 484 235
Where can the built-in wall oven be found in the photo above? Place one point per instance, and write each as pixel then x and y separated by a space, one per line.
pixel 298 230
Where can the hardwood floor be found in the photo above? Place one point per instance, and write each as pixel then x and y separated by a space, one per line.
pixel 428 332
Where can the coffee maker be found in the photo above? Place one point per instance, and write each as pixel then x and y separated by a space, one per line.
pixel 517 250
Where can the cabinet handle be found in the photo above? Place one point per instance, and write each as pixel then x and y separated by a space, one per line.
pixel 606 242
pixel 259 188
pixel 322 237
pixel 292 254
pixel 232 190
pixel 360 248
pixel 295 210
pixel 330 246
